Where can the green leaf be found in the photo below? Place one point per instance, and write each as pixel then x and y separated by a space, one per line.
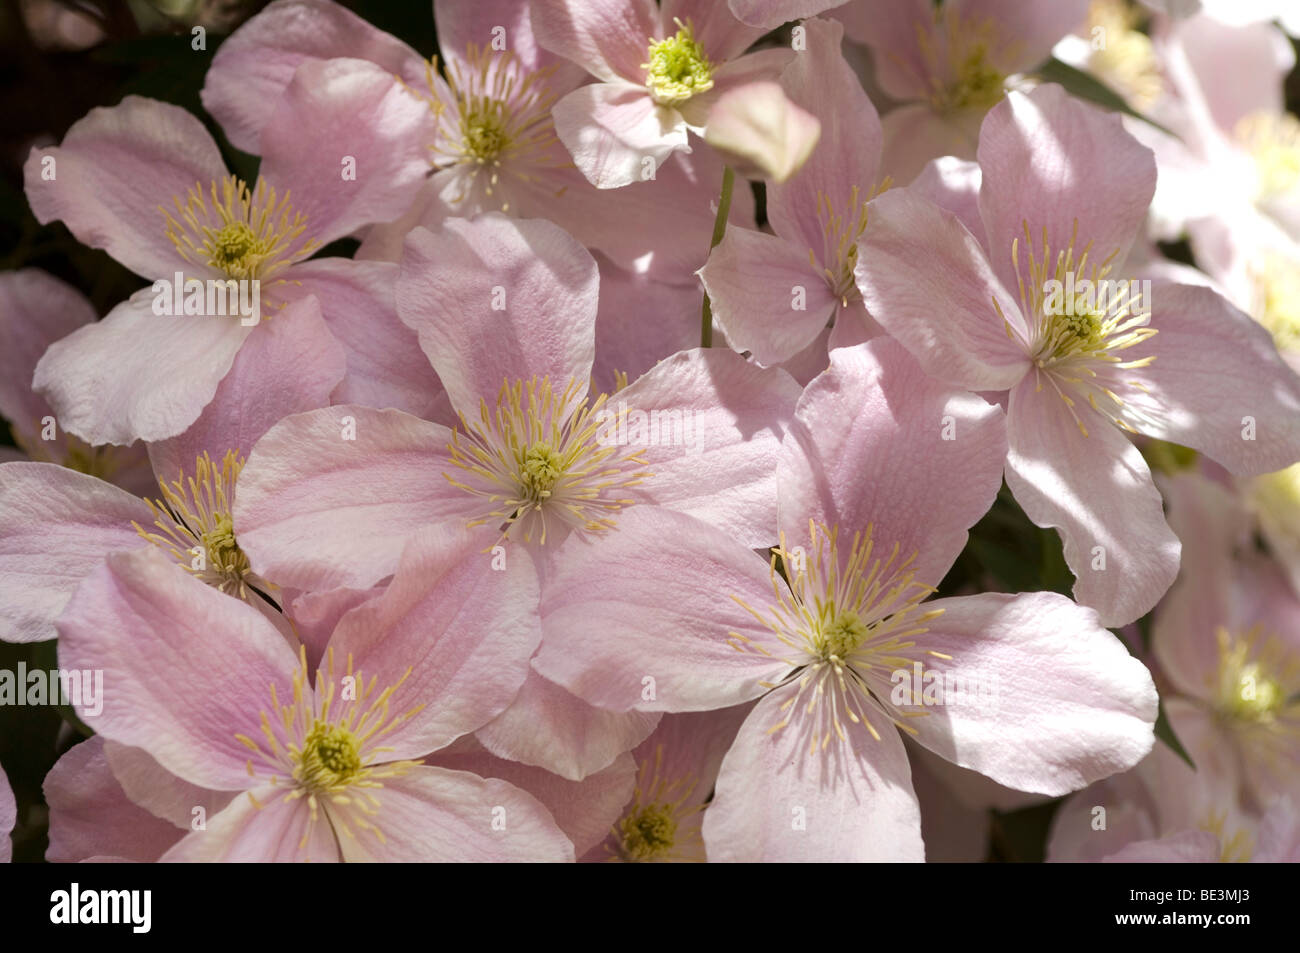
pixel 1088 87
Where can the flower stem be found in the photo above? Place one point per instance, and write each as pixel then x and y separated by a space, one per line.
pixel 719 227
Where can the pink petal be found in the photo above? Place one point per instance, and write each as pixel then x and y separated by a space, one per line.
pixel 613 619
pixel 1026 31
pixel 385 367
pixel 259 826
pixel 136 374
pixel 953 184
pixel 723 35
pixel 640 321
pixel 116 166
pixel 188 668
pixel 254 66
pixel 339 110
pixel 848 153
pixel 584 809
pixel 91 818
pixel 769 14
pixel 317 510
pixel 719 465
pixel 433 815
pixel 36 309
pixel 496 300
pixel 759 131
pixel 914 135
pixel 776 801
pixel 576 740
pixel 1060 703
pixel 926 280
pixel 878 444
pixel 56 525
pixel 151 786
pixel 1188 847
pixel 1057 163
pixel 461 24
pixel 765 295
pixel 288 365
pixel 315 615
pixel 616 133
pixel 461 621
pixel 1097 491
pixel 1217 378
pixel 610 38
pixel 897 42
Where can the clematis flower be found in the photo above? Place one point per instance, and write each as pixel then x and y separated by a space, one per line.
pixel 324 766
pixel 660 72
pixel 1111 46
pixel 947 65
pixel 57 524
pixel 144 181
pixel 1062 196
pixel 873 509
pixel 483 132
pixel 1226 640
pixel 536 457
pixel 36 309
pixel 676 768
pixel 774 294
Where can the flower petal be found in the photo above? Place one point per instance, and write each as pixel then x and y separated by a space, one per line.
pixel 616 133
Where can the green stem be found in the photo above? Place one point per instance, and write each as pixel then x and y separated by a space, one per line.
pixel 719 228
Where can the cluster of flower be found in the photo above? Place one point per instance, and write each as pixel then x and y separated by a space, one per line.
pixel 472 543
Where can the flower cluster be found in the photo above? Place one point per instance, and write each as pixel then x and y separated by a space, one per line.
pixel 621 436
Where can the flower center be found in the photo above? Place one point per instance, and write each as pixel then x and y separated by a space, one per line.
pixel 1127 61
pixel 1273 140
pixel 242 234
pixel 842 229
pixel 1080 322
pixel 849 622
pixel 678 68
pixel 543 462
pixel 1250 685
pixel 663 821
pixel 956 51
pixel 194 525
pixel 1277 300
pixel 330 759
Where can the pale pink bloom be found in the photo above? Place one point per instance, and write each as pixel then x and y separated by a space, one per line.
pixel 1235 156
pixel 1111 46
pixel 772 13
pixel 1003 309
pixel 584 809
pixel 1227 640
pixel 8 816
pixel 145 182
pixel 323 766
pixel 947 65
pixel 874 506
pixel 36 309
pixel 57 524
pixel 774 294
pixel 505 311
pixel 676 768
pixel 483 134
pixel 661 69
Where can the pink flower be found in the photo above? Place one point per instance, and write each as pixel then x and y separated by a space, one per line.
pixel 873 508
pixel 676 768
pixel 324 768
pixel 145 182
pixel 1226 640
pixel 1063 193
pixel 661 69
pixel 483 134
pixel 947 65
pixel 36 309
pixel 57 524
pixel 774 294
pixel 505 311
